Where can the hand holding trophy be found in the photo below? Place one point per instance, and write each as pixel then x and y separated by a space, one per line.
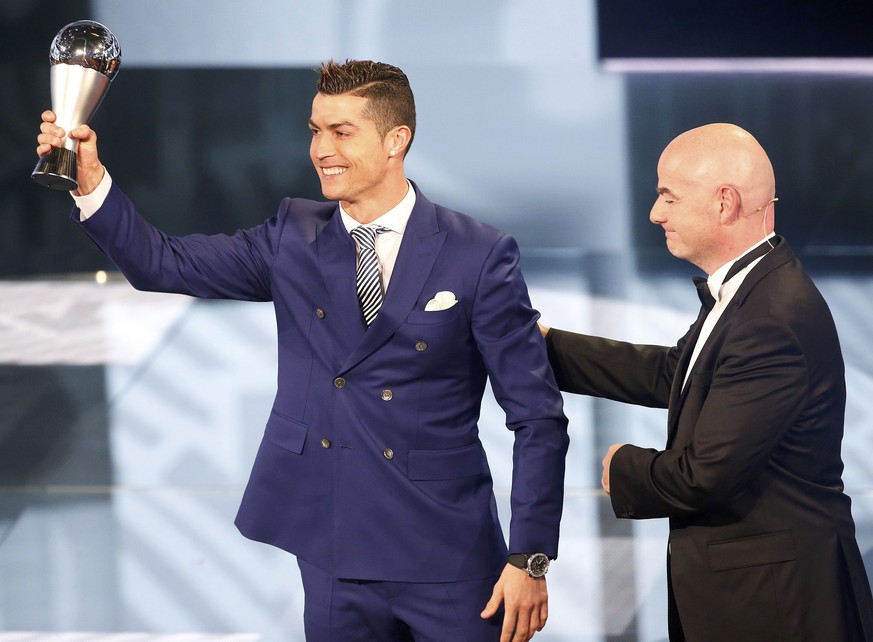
pixel 85 57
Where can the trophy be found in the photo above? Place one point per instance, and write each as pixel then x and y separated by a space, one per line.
pixel 85 56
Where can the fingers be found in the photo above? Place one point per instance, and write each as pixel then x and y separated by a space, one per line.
pixel 604 478
pixel 509 624
pixel 493 604
pixel 526 605
pixel 50 134
pixel 527 611
pixel 82 133
pixel 543 616
pixel 607 463
pixel 520 625
pixel 45 143
pixel 539 615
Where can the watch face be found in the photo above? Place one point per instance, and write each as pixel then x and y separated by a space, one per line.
pixel 538 564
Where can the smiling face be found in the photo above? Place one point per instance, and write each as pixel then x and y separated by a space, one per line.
pixel 356 165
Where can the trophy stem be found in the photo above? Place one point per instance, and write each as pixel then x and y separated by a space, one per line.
pixel 57 170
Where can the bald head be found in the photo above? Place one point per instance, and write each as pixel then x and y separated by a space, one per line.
pixel 716 187
pixel 724 154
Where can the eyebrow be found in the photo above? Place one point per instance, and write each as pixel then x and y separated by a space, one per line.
pixel 334 126
pixel 666 190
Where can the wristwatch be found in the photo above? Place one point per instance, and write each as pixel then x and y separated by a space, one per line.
pixel 535 564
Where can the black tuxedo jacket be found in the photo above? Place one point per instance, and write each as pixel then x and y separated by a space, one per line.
pixel 762 541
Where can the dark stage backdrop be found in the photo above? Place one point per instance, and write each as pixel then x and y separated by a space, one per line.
pixel 734 29
pixel 210 150
pixel 213 150
pixel 199 150
pixel 817 130
pixel 33 240
pixel 816 127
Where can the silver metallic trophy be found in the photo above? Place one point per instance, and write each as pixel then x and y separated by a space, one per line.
pixel 85 56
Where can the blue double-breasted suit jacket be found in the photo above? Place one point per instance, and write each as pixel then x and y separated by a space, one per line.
pixel 371 466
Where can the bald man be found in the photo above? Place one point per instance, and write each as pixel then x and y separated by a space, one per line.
pixel 762 542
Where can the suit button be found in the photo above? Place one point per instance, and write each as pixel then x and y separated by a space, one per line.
pixel 421 346
pixel 389 454
pixel 387 395
pixel 319 313
pixel 325 443
pixel 339 382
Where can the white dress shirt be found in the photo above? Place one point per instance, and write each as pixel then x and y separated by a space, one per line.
pixel 92 202
pixel 387 243
pixel 722 293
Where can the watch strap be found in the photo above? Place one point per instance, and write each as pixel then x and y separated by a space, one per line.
pixel 519 560
pixel 534 564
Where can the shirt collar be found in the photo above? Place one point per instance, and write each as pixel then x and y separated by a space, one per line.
pixel 394 219
pixel 716 279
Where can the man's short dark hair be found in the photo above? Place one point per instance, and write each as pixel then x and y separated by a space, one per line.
pixel 389 97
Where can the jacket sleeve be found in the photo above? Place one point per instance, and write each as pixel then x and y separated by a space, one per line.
pixel 507 335
pixel 207 266
pixel 741 411
pixel 626 372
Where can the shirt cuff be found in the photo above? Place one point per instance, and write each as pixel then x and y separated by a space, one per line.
pixel 92 202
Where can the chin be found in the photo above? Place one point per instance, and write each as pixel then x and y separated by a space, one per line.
pixel 672 249
pixel 329 193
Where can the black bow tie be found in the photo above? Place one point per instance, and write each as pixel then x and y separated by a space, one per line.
pixel 706 298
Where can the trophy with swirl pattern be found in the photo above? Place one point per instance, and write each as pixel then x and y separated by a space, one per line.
pixel 85 57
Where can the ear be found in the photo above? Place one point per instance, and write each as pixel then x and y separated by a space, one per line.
pixel 729 204
pixel 398 140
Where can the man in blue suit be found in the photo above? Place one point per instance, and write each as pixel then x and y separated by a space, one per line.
pixel 371 471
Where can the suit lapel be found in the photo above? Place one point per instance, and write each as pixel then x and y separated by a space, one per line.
pixel 781 254
pixel 421 245
pixel 336 254
pixel 676 393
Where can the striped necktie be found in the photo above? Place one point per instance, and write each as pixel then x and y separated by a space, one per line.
pixel 369 281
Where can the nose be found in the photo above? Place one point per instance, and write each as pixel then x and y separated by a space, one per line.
pixel 655 215
pixel 321 147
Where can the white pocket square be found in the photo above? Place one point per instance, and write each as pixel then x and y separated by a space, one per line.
pixel 442 301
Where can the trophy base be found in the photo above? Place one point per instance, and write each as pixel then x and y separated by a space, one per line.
pixel 57 170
